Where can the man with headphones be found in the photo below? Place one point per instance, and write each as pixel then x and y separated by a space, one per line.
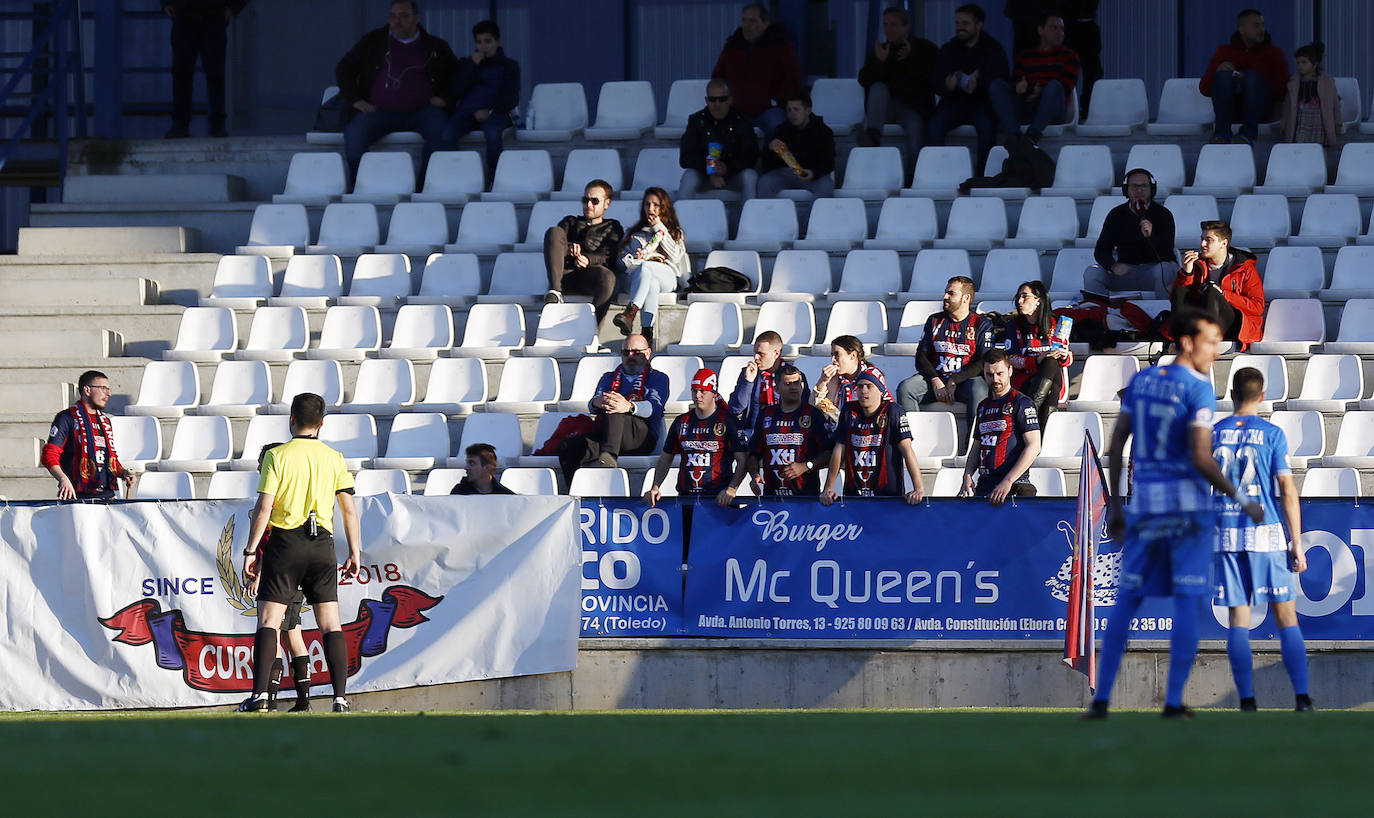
pixel 1135 250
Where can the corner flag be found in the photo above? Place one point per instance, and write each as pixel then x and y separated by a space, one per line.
pixel 1079 647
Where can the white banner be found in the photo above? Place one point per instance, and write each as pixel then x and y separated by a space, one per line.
pixel 141 604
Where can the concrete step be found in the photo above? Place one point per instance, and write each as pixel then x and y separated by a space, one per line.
pixel 165 187
pixel 215 227
pixel 182 278
pixel 106 236
pixel 27 398
pixel 72 346
pixel 19 452
pixel 89 292
pixel 144 331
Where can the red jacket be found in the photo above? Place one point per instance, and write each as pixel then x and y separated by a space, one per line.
pixel 1243 290
pixel 760 73
pixel 1266 58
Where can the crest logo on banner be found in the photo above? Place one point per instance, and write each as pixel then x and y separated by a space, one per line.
pixel 1106 569
pixel 222 662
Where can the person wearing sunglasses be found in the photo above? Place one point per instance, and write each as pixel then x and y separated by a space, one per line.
pixel 718 149
pixel 628 411
pixel 580 251
pixel 80 452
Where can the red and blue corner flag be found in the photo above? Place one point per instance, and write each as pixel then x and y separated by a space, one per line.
pixel 1079 650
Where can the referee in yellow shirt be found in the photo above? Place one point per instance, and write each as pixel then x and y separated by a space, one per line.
pixel 299 483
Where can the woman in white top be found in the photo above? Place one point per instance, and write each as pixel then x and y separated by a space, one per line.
pixel 655 255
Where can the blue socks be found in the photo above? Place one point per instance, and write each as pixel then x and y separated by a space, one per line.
pixel 1114 644
pixel 1294 657
pixel 1182 648
pixel 1242 666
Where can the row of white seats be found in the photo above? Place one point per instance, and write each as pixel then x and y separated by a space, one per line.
pixel 976 223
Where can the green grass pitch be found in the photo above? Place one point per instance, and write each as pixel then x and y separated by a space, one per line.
pixel 668 763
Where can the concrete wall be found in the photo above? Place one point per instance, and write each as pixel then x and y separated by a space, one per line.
pixel 615 674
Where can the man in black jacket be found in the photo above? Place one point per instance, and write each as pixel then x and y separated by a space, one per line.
pixel 897 85
pixel 395 78
pixel 811 144
pixel 580 251
pixel 718 148
pixel 485 91
pixel 964 69
pixel 199 28
pixel 1135 250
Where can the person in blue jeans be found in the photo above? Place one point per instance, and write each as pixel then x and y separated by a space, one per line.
pixel 486 88
pixel 1246 78
pixel 965 68
pixel 1043 78
pixel 395 79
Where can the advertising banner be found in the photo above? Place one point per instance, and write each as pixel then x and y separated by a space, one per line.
pixel 631 567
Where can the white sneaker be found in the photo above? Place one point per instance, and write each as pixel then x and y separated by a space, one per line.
pixel 341 705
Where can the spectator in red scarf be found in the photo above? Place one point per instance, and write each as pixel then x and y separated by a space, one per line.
pixel 80 452
pixel 757 383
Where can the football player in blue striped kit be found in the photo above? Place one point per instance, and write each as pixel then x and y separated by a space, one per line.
pixel 1171 528
pixel 1255 562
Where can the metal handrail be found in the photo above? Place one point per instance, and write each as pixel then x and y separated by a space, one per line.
pixel 64 27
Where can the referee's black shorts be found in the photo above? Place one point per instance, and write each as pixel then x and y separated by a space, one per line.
pixel 293 560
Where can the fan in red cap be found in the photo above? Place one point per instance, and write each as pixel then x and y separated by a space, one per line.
pixel 707 436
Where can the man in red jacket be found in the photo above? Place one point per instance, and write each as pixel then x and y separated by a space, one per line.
pixel 1225 283
pixel 761 66
pixel 1248 75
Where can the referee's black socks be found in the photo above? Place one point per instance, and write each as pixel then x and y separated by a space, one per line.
pixel 264 654
pixel 336 656
pixel 300 674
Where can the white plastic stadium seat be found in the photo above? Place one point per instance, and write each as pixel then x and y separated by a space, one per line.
pixel 324 378
pixel 455 386
pixel 1048 482
pixel 1348 88
pixel 232 485
pixel 939 172
pixel 1066 280
pixel 710 329
pixel 453 279
pixel 348 334
pixel 421 332
pixel 795 321
pixel 354 436
pixel 521 176
pixel 263 430
pixel 380 279
pixel 1329 220
pixel 442 481
pixel 1356 334
pixel 517 278
pixel 206 335
pixel 565 331
pixel 869 275
pixel 586 164
pixel 1330 482
pixel 872 173
pixel 1330 383
pixel 167 485
pixel 679 369
pixel 1061 442
pixel 934 435
pixel 369 482
pixel 840 101
pixel 1096 216
pixel 1046 223
pixel 1189 214
pixel 418 440
pixel 557 111
pixel 276 334
pixel 865 320
pixel 703 223
pixel 1183 110
pixel 544 215
pixel 624 110
pixel 137 439
pixel 798 275
pixel 599 483
pixel 1224 170
pixel 493 331
pixel 1306 435
pixel 765 225
pixel 1355 173
pixel 657 167
pixel 417 229
pixel 1260 220
pixel 744 261
pixel 241 283
pixel 348 229
pixel 911 327
pixel 1164 162
pixel 312 282
pixel 1294 272
pixel 501 431
pixel 1292 327
pixel 1082 172
pixel 1118 107
pixel 932 269
pixel 533 481
pixel 1294 169
pixel 1004 270
pixel 684 99
pixel 277 230
pixel 905 224
pixel 527 386
pixel 1354 442
pixel 313 179
pixel 1104 376
pixel 384 387
pixel 485 228
pixel 1349 275
pixel 835 225
pixel 1275 374
pixel 949 481
pixel 168 390
pixel 585 378
pixel 452 177
pixel 240 389
pixel 975 223
pixel 384 177
pixel 199 444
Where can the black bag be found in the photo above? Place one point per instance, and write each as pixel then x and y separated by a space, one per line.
pixel 1025 166
pixel 718 280
pixel 333 115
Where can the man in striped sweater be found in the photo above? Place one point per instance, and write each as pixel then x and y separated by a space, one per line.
pixel 1041 81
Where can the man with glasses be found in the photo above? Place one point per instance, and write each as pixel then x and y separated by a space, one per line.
pixel 80 452
pixel 718 149
pixel 628 408
pixel 579 251
pixel 1135 250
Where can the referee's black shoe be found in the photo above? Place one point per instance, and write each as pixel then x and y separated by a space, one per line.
pixel 253 704
pixel 1096 710
pixel 1177 712
pixel 301 706
pixel 1303 703
pixel 341 705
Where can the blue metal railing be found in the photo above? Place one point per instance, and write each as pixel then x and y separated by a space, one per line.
pixel 60 42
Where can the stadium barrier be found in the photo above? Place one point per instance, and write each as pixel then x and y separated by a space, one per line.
pixel 141 604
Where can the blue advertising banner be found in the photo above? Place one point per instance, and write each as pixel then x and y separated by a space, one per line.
pixel 962 569
pixel 631 567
